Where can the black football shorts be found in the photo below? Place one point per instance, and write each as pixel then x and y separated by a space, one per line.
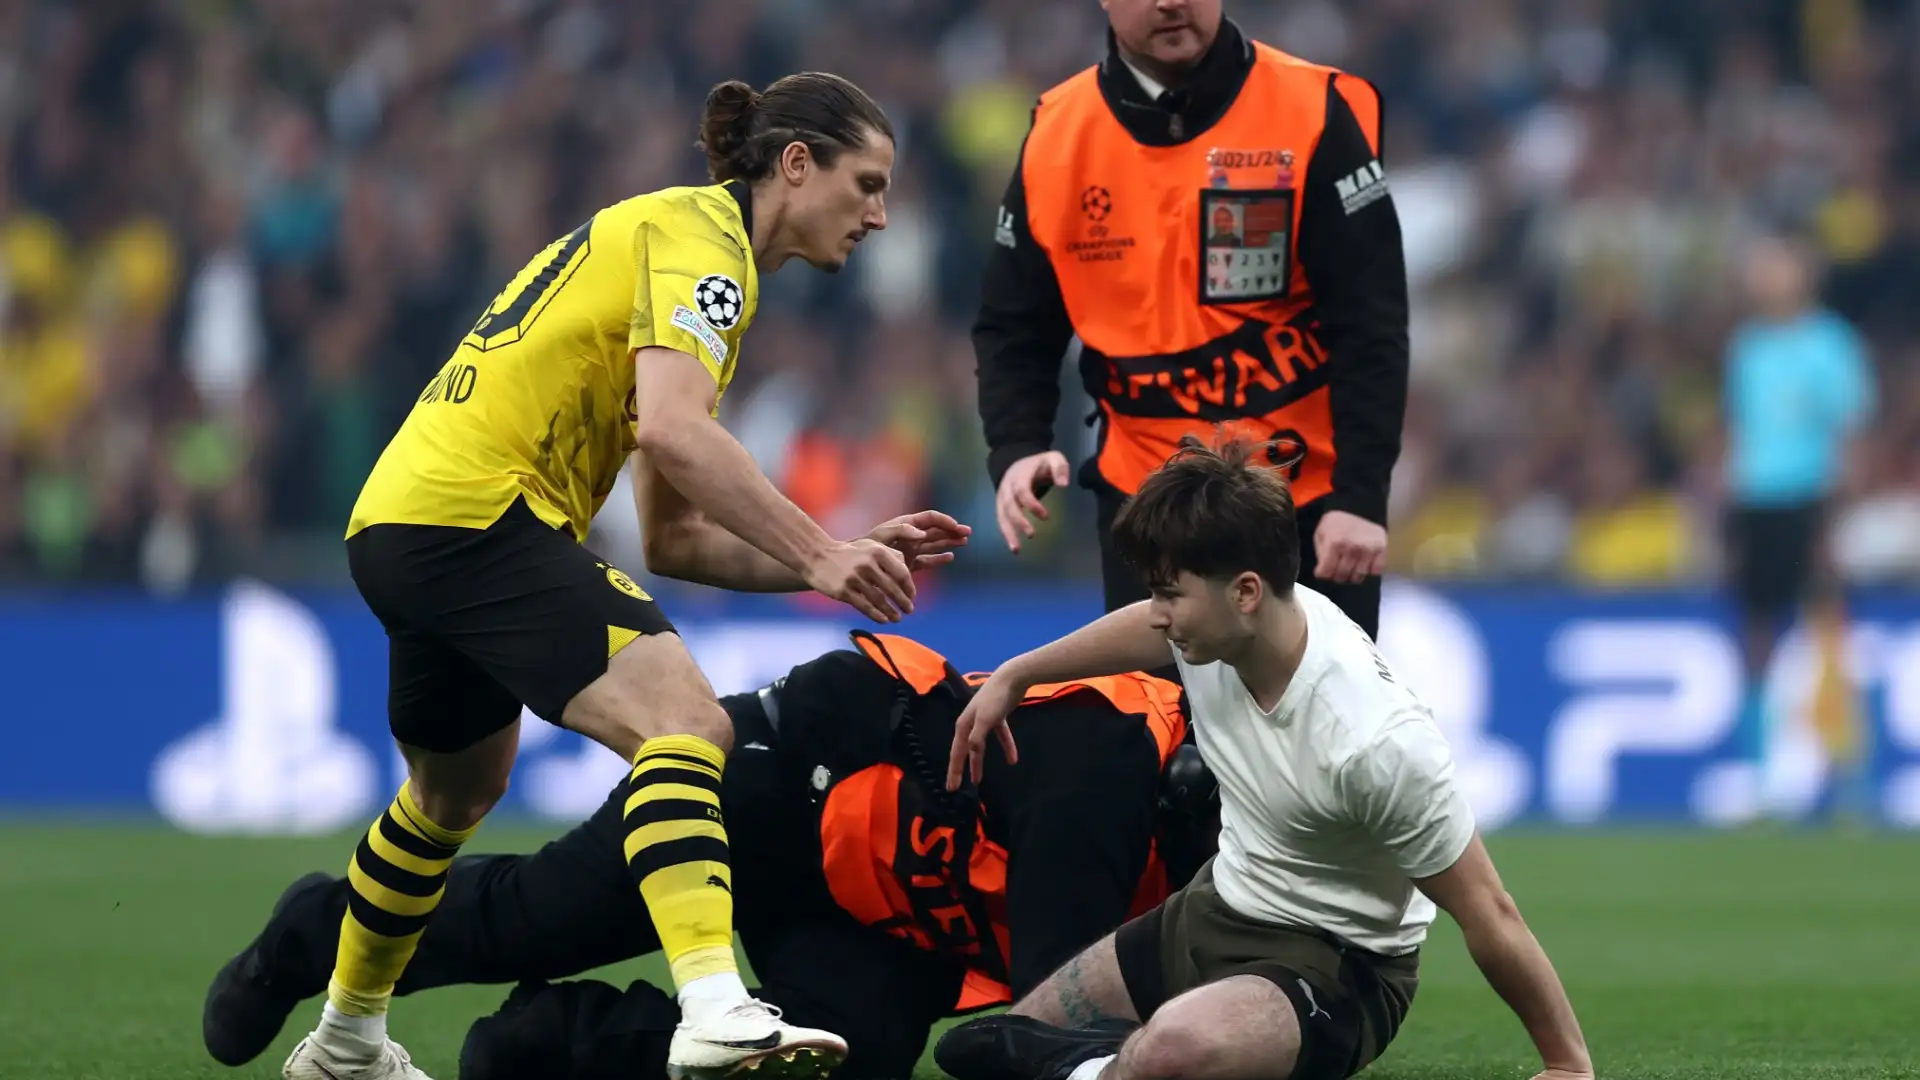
pixel 481 621
pixel 1774 556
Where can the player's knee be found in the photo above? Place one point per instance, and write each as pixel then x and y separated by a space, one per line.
pixel 461 803
pixel 456 790
pixel 485 794
pixel 463 810
pixel 708 721
pixel 651 689
pixel 701 719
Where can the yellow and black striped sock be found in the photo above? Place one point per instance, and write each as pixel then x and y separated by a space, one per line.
pixel 677 851
pixel 398 874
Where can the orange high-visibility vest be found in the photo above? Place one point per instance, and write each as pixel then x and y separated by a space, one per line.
pixel 1179 271
pixel 890 862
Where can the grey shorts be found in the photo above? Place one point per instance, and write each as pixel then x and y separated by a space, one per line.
pixel 1350 1002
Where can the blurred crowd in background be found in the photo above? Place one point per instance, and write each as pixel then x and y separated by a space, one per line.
pixel 236 238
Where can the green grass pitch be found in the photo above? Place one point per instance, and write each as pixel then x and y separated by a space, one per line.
pixel 1688 955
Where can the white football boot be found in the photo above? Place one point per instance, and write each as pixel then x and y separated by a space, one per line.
pixel 312 1061
pixel 751 1038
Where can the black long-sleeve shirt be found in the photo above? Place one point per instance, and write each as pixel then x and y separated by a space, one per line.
pixel 1351 255
pixel 1077 817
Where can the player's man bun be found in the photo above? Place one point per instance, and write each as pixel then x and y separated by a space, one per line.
pixel 724 124
pixel 744 132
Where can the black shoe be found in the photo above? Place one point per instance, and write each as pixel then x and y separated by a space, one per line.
pixel 517 1042
pixel 1007 1047
pixel 245 1008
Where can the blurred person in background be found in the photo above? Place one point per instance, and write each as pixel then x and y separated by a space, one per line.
pixel 1627 533
pixel 613 344
pixel 1209 216
pixel 1799 388
pixel 1878 540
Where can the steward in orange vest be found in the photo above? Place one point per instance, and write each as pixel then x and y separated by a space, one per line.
pixel 868 896
pixel 1229 256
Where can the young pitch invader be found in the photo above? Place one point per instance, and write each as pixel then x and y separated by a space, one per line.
pixel 615 342
pixel 1294 953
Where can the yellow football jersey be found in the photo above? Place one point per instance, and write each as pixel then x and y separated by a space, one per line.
pixel 538 400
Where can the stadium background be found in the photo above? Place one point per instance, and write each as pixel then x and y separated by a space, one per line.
pixel 236 238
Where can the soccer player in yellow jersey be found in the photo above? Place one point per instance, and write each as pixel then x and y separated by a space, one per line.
pixel 617 341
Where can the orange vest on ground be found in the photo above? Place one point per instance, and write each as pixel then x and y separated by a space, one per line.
pixel 891 863
pixel 1177 265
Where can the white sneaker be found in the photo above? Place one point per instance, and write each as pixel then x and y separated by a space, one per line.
pixel 751 1037
pixel 311 1061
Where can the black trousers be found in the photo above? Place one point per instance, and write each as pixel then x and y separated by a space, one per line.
pixel 1361 601
pixel 570 907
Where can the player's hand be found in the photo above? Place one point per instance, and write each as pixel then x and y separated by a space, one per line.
pixel 1348 548
pixel 986 714
pixel 866 575
pixel 1020 491
pixel 926 538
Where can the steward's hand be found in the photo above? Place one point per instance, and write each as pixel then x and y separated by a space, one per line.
pixel 1020 492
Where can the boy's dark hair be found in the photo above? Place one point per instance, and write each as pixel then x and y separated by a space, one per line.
pixel 743 131
pixel 1213 513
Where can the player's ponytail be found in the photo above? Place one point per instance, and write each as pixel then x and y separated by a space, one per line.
pixel 743 133
pixel 724 125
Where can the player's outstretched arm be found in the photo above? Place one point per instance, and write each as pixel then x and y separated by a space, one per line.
pixel 681 541
pixel 1512 960
pixel 1118 642
pixel 699 459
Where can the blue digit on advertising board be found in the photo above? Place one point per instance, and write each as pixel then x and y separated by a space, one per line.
pixel 259 710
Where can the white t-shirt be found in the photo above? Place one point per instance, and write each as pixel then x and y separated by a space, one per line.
pixel 1333 802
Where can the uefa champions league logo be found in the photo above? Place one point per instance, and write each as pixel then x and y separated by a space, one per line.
pixel 276 760
pixel 273 761
pixel 1608 697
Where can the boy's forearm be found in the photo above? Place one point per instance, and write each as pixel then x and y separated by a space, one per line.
pixel 1118 642
pixel 1517 968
